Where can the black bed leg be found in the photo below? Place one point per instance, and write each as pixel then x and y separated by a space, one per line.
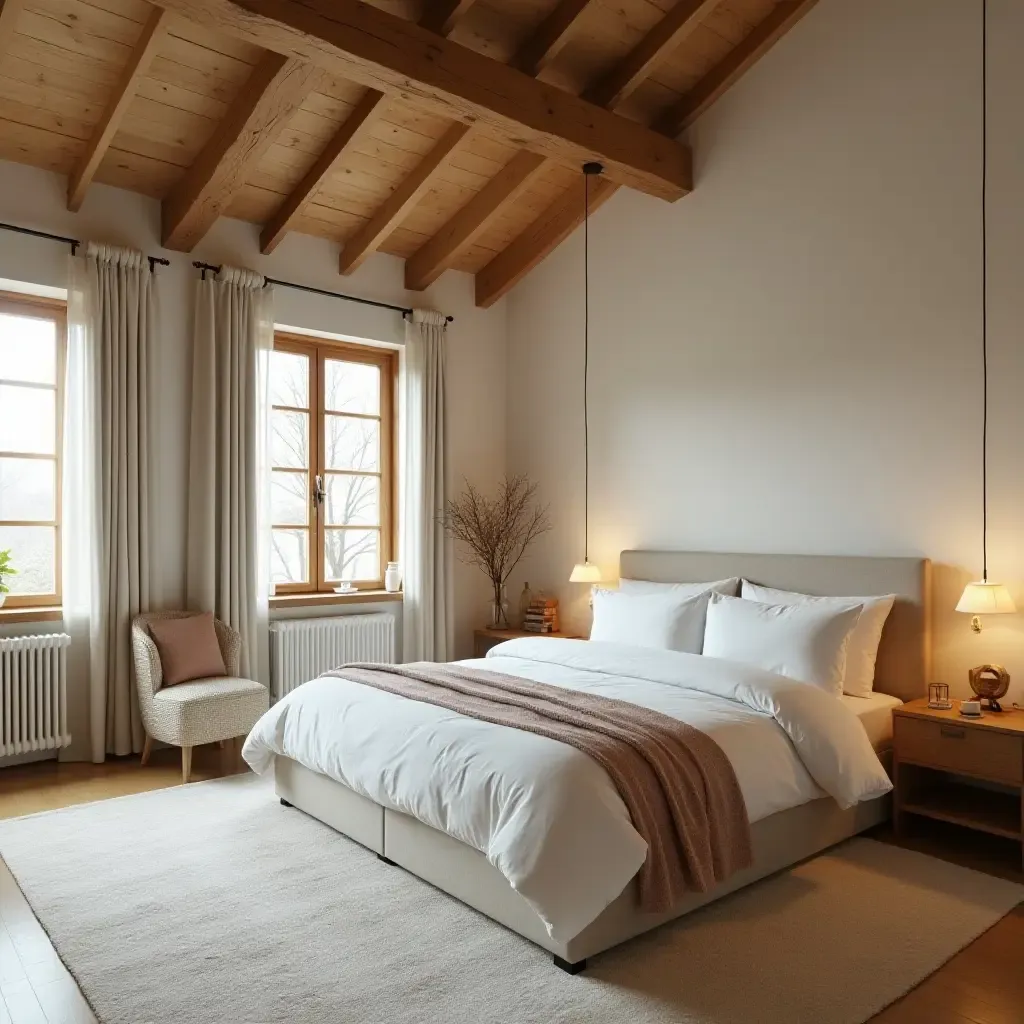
pixel 284 803
pixel 564 965
pixel 387 860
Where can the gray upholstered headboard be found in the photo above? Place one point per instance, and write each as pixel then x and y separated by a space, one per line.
pixel 904 656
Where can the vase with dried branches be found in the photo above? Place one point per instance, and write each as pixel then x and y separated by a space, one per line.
pixel 495 532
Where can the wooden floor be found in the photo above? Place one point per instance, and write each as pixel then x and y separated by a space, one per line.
pixel 984 984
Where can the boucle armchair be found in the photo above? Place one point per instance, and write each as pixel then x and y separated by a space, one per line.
pixel 200 711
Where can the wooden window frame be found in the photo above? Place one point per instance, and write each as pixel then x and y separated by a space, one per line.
pixel 43 308
pixel 318 351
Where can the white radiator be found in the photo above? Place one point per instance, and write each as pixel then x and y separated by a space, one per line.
pixel 33 693
pixel 300 649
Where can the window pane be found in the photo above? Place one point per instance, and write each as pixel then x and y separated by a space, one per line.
pixel 28 349
pixel 352 555
pixel 27 489
pixel 27 420
pixel 352 387
pixel 352 444
pixel 289 379
pixel 33 554
pixel 353 500
pixel 289 499
pixel 289 439
pixel 289 559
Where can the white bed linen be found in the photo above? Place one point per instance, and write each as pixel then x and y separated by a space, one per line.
pixel 544 814
pixel 875 713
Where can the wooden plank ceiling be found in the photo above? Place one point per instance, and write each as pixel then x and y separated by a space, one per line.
pixel 449 133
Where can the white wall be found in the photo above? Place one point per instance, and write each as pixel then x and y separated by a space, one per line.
pixel 476 406
pixel 788 360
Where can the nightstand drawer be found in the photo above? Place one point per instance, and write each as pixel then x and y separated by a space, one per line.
pixel 959 748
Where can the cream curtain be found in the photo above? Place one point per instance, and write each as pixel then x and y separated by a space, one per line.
pixel 228 511
pixel 107 533
pixel 426 558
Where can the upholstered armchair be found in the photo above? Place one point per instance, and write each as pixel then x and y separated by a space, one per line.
pixel 197 712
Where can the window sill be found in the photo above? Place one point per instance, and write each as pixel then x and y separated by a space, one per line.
pixel 317 600
pixel 39 613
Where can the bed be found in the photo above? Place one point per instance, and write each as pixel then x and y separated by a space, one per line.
pixel 808 822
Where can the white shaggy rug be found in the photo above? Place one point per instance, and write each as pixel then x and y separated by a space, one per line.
pixel 212 903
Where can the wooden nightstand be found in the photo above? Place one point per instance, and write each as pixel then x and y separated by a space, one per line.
pixel 937 753
pixel 485 639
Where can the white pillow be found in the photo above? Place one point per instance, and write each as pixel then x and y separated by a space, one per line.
pixel 862 652
pixel 805 643
pixel 665 621
pixel 729 586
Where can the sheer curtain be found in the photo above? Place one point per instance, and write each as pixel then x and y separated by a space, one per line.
pixel 426 560
pixel 107 533
pixel 228 565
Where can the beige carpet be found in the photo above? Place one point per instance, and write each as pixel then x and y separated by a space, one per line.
pixel 212 903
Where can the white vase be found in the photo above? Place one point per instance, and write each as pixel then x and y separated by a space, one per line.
pixel 392 578
pixel 3 597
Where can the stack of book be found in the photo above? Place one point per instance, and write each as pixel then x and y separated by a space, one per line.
pixel 541 616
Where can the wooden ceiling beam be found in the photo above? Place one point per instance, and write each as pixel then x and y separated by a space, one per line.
pixel 440 16
pixel 385 52
pixel 391 212
pixel 356 125
pixel 549 37
pixel 727 71
pixel 435 256
pixel 546 233
pixel 274 91
pixel 9 11
pixel 81 178
pixel 668 33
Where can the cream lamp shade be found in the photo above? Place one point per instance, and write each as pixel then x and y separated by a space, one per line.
pixel 585 572
pixel 985 598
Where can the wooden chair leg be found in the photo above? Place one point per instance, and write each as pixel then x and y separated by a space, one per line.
pixel 186 763
pixel 147 749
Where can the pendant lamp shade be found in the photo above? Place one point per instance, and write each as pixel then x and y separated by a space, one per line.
pixel 586 571
pixel 985 598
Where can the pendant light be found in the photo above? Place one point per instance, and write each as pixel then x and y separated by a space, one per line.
pixel 586 571
pixel 984 597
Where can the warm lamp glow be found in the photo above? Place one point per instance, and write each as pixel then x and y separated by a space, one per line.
pixel 984 598
pixel 585 572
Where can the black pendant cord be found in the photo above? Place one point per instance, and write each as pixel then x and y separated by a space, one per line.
pixel 984 289
pixel 586 366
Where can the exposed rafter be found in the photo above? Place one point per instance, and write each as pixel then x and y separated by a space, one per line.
pixel 400 202
pixel 355 127
pixel 124 92
pixel 549 37
pixel 669 32
pixel 388 53
pixel 436 255
pixel 546 233
pixel 440 16
pixel 273 93
pixel 9 11
pixel 722 76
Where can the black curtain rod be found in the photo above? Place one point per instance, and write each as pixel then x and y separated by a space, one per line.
pixel 404 310
pixel 73 242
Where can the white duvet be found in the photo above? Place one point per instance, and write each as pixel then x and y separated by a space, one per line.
pixel 543 813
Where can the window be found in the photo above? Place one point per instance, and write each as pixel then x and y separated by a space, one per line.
pixel 32 344
pixel 331 452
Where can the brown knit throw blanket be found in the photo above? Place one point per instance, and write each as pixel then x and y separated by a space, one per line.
pixel 676 782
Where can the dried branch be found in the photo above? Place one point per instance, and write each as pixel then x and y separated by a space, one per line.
pixel 496 532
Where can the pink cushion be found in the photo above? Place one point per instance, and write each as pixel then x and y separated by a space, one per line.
pixel 188 648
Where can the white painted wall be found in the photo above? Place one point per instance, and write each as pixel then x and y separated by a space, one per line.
pixel 476 406
pixel 788 360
